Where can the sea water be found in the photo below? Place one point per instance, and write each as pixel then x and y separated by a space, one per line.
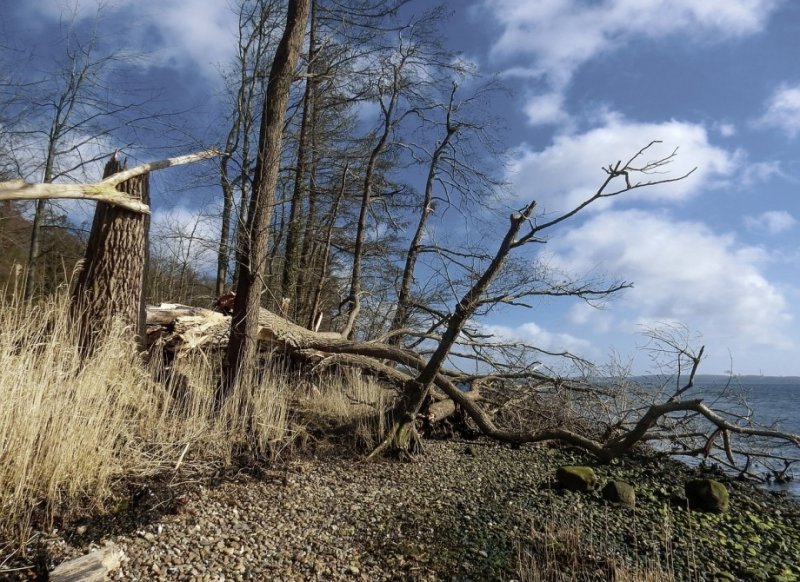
pixel 773 400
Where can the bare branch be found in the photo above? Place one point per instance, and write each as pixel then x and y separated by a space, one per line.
pixel 103 191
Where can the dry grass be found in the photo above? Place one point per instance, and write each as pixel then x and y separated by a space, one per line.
pixel 348 405
pixel 69 430
pixel 561 549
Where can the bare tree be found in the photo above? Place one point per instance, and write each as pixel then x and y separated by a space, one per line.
pixel 291 263
pixel 456 177
pixel 401 90
pixel 246 85
pixel 242 347
pixel 111 282
pixel 66 118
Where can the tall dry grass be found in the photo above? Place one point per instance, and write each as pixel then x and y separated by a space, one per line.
pixel 347 405
pixel 71 428
pixel 565 547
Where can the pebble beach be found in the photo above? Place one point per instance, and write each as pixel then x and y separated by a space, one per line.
pixel 463 511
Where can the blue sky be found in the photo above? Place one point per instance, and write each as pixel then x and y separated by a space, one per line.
pixel 593 81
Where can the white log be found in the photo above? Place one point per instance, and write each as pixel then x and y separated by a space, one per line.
pixel 99 192
pixel 93 567
pixel 103 191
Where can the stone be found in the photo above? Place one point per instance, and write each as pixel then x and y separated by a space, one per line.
pixel 576 478
pixel 619 492
pixel 707 495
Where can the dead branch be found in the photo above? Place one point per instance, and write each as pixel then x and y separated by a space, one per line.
pixel 102 191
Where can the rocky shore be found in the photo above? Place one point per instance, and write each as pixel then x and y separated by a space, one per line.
pixel 464 511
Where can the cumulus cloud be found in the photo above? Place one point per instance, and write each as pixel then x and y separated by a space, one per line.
pixel 758 172
pixel 563 34
pixel 725 129
pixel 569 170
pixel 543 339
pixel 682 271
pixel 773 221
pixel 198 32
pixel 546 109
pixel 783 110
pixel 556 37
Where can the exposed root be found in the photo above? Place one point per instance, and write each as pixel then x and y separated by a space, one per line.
pixel 402 441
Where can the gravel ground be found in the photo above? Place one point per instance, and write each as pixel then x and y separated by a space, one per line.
pixel 462 512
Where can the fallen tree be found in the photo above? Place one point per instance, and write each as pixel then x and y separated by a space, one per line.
pixel 427 389
pixel 182 330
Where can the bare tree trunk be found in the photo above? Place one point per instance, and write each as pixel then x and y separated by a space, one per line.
pixel 32 270
pixel 403 308
pixel 223 252
pixel 112 280
pixel 41 205
pixel 291 263
pixel 253 42
pixel 243 346
pixel 402 436
pixel 353 301
pixel 314 302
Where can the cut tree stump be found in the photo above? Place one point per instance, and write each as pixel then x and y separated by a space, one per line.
pixel 93 567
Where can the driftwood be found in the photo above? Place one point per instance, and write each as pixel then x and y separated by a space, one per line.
pixel 444 407
pixel 93 567
pixel 185 328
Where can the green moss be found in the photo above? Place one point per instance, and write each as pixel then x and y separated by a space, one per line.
pixel 576 478
pixel 707 495
pixel 619 492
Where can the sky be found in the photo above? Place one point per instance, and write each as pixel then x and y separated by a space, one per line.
pixel 593 81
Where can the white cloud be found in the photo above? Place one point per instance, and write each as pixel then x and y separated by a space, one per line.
pixel 557 37
pixel 569 170
pixel 783 110
pixel 758 172
pixel 773 221
pixel 200 32
pixel 539 337
pixel 546 109
pixel 563 34
pixel 682 271
pixel 725 129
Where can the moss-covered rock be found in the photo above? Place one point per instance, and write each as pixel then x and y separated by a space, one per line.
pixel 707 495
pixel 619 492
pixel 576 478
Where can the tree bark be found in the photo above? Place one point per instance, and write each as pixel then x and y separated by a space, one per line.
pixel 112 280
pixel 291 262
pixel 242 347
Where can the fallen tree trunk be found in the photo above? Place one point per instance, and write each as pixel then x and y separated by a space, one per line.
pixel 183 328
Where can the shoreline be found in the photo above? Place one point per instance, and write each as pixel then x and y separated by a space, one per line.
pixel 464 511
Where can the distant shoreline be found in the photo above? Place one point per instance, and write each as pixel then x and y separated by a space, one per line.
pixel 736 380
